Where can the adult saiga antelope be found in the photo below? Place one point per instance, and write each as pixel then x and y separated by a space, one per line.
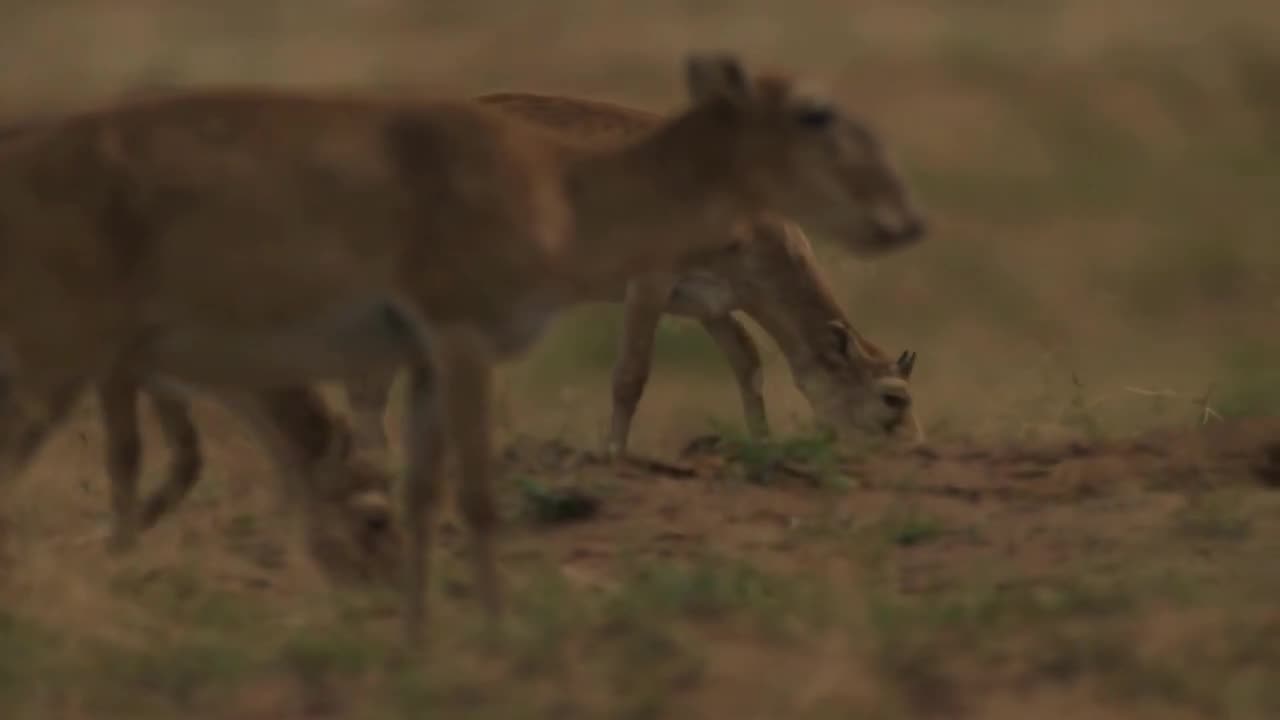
pixel 766 270
pixel 259 239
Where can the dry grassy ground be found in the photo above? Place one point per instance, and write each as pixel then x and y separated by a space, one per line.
pixel 1081 539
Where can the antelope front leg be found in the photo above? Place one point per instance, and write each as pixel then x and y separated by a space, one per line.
pixel 468 366
pixel 424 455
pixel 735 342
pixel 367 396
pixel 118 399
pixel 645 301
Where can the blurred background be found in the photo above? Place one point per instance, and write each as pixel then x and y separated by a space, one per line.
pixel 1101 176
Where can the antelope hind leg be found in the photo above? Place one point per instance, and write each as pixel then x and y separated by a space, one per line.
pixel 645 301
pixel 735 342
pixel 186 458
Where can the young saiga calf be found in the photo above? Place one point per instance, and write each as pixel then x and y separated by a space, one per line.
pixel 771 276
pixel 256 239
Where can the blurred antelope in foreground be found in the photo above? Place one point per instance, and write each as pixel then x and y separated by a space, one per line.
pixel 258 241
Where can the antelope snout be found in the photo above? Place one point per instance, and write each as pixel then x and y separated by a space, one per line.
pixel 899 226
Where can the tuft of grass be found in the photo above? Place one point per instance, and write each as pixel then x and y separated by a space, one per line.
pixel 556 506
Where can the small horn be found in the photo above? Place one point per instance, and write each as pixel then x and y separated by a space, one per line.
pixel 906 363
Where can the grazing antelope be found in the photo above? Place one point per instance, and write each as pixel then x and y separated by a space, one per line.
pixel 254 240
pixel 771 276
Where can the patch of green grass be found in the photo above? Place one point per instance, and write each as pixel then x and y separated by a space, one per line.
pixel 760 458
pixel 556 506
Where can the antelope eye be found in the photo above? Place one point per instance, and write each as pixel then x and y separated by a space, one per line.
pixel 816 117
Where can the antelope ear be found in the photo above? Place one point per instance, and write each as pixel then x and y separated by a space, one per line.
pixel 851 345
pixel 840 338
pixel 906 363
pixel 712 76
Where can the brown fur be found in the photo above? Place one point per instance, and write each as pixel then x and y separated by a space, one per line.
pixel 280 239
